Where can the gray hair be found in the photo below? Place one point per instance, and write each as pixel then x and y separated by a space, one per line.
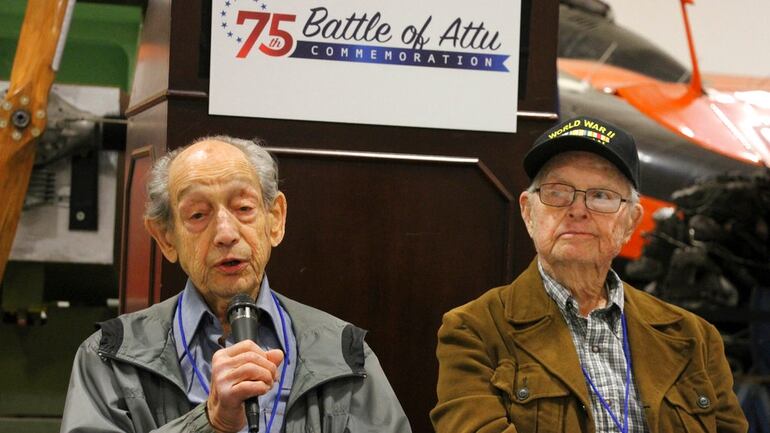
pixel 158 206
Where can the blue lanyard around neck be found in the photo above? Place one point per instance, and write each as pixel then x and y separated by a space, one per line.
pixel 627 354
pixel 198 374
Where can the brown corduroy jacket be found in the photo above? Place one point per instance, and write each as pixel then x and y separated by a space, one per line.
pixel 507 364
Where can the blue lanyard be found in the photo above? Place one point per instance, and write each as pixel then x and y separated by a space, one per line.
pixel 627 354
pixel 200 376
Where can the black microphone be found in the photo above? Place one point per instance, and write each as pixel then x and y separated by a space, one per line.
pixel 243 316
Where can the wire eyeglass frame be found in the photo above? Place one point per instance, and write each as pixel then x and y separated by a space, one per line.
pixel 588 198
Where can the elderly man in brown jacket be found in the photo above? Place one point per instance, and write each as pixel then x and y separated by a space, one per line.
pixel 568 347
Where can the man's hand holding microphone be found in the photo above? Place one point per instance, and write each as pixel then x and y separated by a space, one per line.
pixel 242 372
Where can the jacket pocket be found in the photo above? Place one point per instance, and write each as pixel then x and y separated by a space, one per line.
pixel 691 402
pixel 536 400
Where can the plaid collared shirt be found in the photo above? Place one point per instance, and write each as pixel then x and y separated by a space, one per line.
pixel 598 340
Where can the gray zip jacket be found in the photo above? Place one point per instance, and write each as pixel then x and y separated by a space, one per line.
pixel 126 378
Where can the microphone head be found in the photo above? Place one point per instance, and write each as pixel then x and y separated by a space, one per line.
pixel 240 300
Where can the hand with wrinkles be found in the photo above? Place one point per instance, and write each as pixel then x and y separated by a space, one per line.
pixel 238 372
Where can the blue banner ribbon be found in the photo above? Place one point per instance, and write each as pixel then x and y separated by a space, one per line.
pixel 400 56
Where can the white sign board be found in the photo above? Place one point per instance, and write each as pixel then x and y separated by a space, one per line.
pixel 440 64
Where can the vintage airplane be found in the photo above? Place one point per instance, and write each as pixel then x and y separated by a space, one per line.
pixel 684 130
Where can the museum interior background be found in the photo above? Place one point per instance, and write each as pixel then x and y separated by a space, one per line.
pixel 390 226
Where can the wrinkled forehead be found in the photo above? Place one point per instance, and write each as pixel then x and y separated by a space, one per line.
pixel 210 164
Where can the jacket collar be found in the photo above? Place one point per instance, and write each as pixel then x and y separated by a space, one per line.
pixel 539 328
pixel 327 347
pixel 657 358
pixel 145 339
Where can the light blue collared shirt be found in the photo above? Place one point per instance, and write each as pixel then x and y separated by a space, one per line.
pixel 203 332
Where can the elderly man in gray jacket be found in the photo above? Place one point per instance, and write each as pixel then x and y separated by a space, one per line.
pixel 215 207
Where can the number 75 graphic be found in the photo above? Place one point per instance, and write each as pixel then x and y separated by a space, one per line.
pixel 281 41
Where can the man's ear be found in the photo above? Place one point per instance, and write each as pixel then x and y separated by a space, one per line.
pixel 277 219
pixel 160 233
pixel 526 211
pixel 637 211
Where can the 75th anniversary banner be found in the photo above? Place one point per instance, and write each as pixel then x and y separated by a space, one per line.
pixel 446 64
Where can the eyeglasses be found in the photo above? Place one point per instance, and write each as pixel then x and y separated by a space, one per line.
pixel 598 200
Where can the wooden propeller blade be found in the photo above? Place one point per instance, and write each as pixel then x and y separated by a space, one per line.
pixel 23 111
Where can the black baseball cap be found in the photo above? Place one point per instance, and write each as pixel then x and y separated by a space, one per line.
pixel 586 134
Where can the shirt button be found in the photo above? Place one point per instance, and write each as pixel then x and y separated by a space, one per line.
pixel 595 349
pixel 704 402
pixel 522 393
